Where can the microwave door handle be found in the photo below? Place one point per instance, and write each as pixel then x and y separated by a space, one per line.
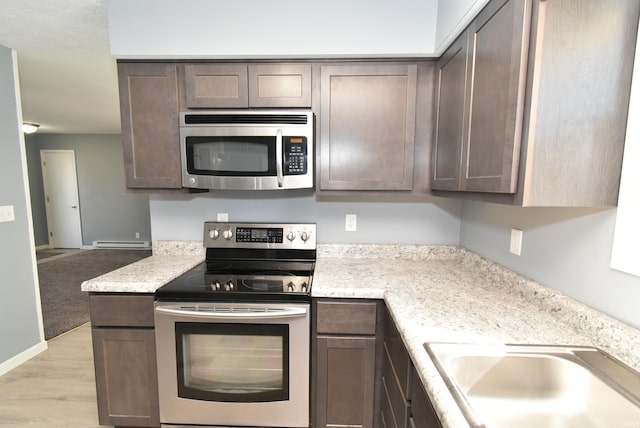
pixel 279 157
pixel 236 315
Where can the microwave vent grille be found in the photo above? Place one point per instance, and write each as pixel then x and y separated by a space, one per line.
pixel 249 119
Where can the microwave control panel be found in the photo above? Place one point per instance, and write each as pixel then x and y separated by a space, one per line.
pixel 295 155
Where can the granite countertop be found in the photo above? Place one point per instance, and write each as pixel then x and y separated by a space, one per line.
pixel 170 259
pixel 434 294
pixel 448 294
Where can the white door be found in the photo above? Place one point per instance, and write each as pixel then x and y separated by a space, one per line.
pixel 61 198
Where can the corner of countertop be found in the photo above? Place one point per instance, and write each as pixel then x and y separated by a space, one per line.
pixel 608 333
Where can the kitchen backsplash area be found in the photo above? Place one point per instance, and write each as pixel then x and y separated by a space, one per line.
pixel 180 217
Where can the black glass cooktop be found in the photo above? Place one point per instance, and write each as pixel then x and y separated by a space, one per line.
pixel 242 280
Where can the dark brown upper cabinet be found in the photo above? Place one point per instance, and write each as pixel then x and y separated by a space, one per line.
pixel 247 85
pixel 479 115
pixel 451 73
pixel 368 120
pixel 150 131
pixel 543 116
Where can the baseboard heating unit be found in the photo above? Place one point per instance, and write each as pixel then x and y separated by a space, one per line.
pixel 122 244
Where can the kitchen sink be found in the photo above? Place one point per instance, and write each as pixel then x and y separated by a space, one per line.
pixel 538 385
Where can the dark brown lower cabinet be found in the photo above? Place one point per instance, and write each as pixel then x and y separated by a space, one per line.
pixel 124 353
pixel 346 357
pixel 422 413
pixel 405 403
pixel 345 387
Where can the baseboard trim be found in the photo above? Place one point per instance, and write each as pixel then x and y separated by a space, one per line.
pixel 22 357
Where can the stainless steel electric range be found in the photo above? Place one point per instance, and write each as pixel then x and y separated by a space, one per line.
pixel 233 333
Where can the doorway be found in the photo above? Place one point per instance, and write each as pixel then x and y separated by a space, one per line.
pixel 60 183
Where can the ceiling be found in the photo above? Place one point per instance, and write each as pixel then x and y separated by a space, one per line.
pixel 68 78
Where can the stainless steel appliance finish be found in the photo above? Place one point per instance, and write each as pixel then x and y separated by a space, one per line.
pixel 233 334
pixel 281 236
pixel 247 150
pixel 538 385
pixel 227 376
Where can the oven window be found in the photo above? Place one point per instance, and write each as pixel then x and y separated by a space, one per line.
pixel 231 156
pixel 233 362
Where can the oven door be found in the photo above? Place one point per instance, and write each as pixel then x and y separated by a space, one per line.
pixel 233 363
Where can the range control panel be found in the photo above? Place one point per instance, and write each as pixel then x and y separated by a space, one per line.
pixel 294 236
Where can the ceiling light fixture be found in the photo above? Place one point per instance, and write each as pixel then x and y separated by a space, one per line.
pixel 29 128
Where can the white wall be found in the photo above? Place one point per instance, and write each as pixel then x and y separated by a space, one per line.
pixel 627 232
pixel 274 28
pixel 21 334
pixel 182 216
pixel 453 18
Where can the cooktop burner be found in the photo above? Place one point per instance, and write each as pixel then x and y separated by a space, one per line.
pixel 198 283
pixel 255 266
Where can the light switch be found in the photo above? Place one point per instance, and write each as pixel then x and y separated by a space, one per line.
pixel 7 213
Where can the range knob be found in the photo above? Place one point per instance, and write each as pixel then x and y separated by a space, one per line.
pixel 214 233
pixel 216 285
pixel 291 236
pixel 229 286
pixel 227 234
pixel 291 286
pixel 304 236
pixel 303 287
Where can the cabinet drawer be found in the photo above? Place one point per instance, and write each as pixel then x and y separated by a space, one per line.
pixel 346 317
pixel 422 413
pixel 110 310
pixel 396 396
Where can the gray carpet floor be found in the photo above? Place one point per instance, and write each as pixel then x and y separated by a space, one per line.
pixel 64 305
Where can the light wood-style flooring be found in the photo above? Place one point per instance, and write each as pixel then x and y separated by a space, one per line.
pixel 54 389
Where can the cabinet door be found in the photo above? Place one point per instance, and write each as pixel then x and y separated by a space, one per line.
pixel 126 376
pixel 447 141
pixel 150 130
pixel 367 127
pixel 345 382
pixel 216 85
pixel 495 95
pixel 280 85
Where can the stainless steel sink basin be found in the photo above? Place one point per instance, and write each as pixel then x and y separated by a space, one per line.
pixel 539 386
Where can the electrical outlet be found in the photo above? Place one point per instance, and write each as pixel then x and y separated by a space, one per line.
pixel 7 213
pixel 137 235
pixel 516 242
pixel 223 217
pixel 350 222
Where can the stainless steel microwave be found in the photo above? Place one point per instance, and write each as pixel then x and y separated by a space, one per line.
pixel 247 150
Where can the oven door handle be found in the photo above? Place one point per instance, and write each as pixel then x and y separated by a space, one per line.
pixel 279 156
pixel 237 314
